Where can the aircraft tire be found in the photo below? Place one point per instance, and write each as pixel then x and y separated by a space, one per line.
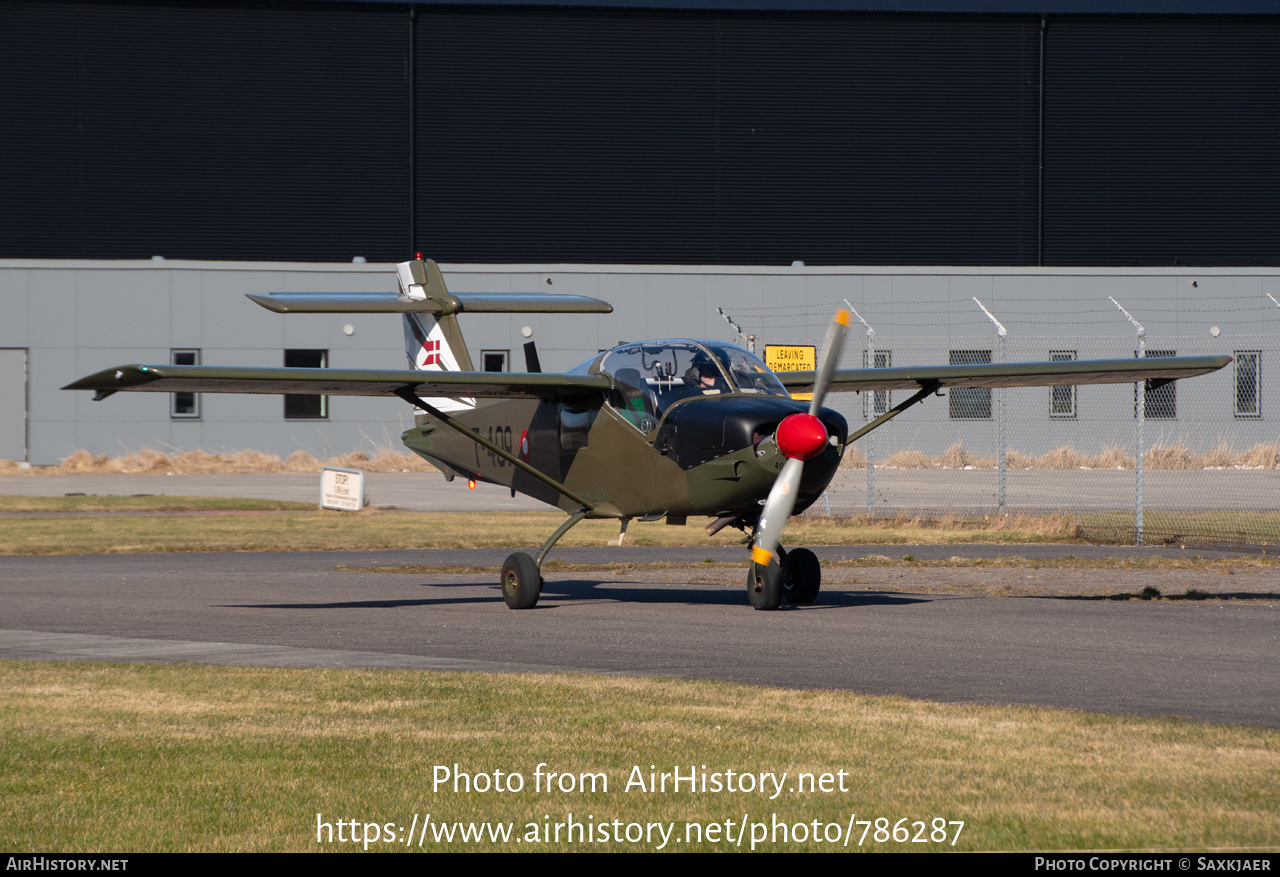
pixel 801 576
pixel 764 586
pixel 521 581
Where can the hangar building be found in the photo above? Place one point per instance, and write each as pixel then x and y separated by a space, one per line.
pixel 667 156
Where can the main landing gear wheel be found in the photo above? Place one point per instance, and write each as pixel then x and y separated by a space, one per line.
pixel 801 576
pixel 521 581
pixel 764 585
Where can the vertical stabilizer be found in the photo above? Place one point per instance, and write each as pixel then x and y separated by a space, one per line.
pixel 433 342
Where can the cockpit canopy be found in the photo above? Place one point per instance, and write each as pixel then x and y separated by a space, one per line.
pixel 652 376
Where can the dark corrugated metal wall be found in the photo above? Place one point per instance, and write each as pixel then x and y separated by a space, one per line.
pixel 221 131
pixel 744 139
pixel 281 131
pixel 1163 141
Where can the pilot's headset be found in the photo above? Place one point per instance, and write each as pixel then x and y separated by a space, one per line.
pixel 703 367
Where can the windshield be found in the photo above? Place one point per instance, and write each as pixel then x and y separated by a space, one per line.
pixel 747 371
pixel 654 375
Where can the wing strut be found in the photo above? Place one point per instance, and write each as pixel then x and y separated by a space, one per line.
pixel 927 389
pixel 407 394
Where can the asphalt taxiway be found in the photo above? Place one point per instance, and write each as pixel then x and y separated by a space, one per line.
pixel 1215 660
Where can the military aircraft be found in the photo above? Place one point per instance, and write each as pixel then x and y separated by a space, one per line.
pixel 650 430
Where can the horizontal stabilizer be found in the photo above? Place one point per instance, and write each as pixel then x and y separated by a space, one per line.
pixel 1011 374
pixel 466 303
pixel 337 382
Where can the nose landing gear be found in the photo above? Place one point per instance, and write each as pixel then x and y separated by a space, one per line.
pixel 797 579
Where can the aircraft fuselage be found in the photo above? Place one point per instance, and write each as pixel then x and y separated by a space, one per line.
pixel 711 455
pixel 543 434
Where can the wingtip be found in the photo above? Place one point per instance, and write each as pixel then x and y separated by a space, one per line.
pixel 267 302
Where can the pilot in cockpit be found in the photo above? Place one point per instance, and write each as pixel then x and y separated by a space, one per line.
pixel 704 375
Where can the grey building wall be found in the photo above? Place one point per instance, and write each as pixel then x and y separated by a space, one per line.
pixel 70 318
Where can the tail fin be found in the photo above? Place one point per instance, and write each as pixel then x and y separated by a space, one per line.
pixel 433 341
pixel 432 338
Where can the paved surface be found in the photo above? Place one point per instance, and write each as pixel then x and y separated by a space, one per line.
pixel 1029 491
pixel 416 491
pixel 1216 660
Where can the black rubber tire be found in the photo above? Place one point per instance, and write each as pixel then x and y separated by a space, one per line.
pixel 521 581
pixel 764 586
pixel 801 576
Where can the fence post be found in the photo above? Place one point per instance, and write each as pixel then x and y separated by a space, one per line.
pixel 748 341
pixel 871 436
pixel 1001 434
pixel 1140 415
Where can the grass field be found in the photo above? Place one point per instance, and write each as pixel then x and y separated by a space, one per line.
pixel 140 503
pixel 114 524
pixel 312 530
pixel 148 757
pixel 1220 529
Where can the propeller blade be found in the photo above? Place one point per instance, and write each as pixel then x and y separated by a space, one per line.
pixel 802 438
pixel 830 359
pixel 777 508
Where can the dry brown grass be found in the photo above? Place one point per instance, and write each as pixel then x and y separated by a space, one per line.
pixel 1061 458
pixel 378 530
pixel 1180 455
pixel 955 457
pixel 301 461
pixel 1222 456
pixel 153 462
pixel 1019 460
pixel 1113 457
pixel 853 459
pixel 1036 528
pixel 1176 456
pixel 909 460
pixel 237 759
pixel 1265 455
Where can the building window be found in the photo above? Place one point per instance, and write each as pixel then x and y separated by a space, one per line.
pixel 1248 383
pixel 877 402
pixel 1162 401
pixel 970 403
pixel 494 360
pixel 184 406
pixel 308 407
pixel 1062 398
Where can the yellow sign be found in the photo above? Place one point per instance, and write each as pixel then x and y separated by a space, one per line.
pixel 792 358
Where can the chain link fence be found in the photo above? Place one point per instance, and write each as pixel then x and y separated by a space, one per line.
pixel 1210 465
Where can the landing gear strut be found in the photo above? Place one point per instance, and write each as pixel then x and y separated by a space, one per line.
pixel 522 575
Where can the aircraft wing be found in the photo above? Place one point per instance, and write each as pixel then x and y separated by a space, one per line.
pixel 461 303
pixel 336 382
pixel 1010 374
